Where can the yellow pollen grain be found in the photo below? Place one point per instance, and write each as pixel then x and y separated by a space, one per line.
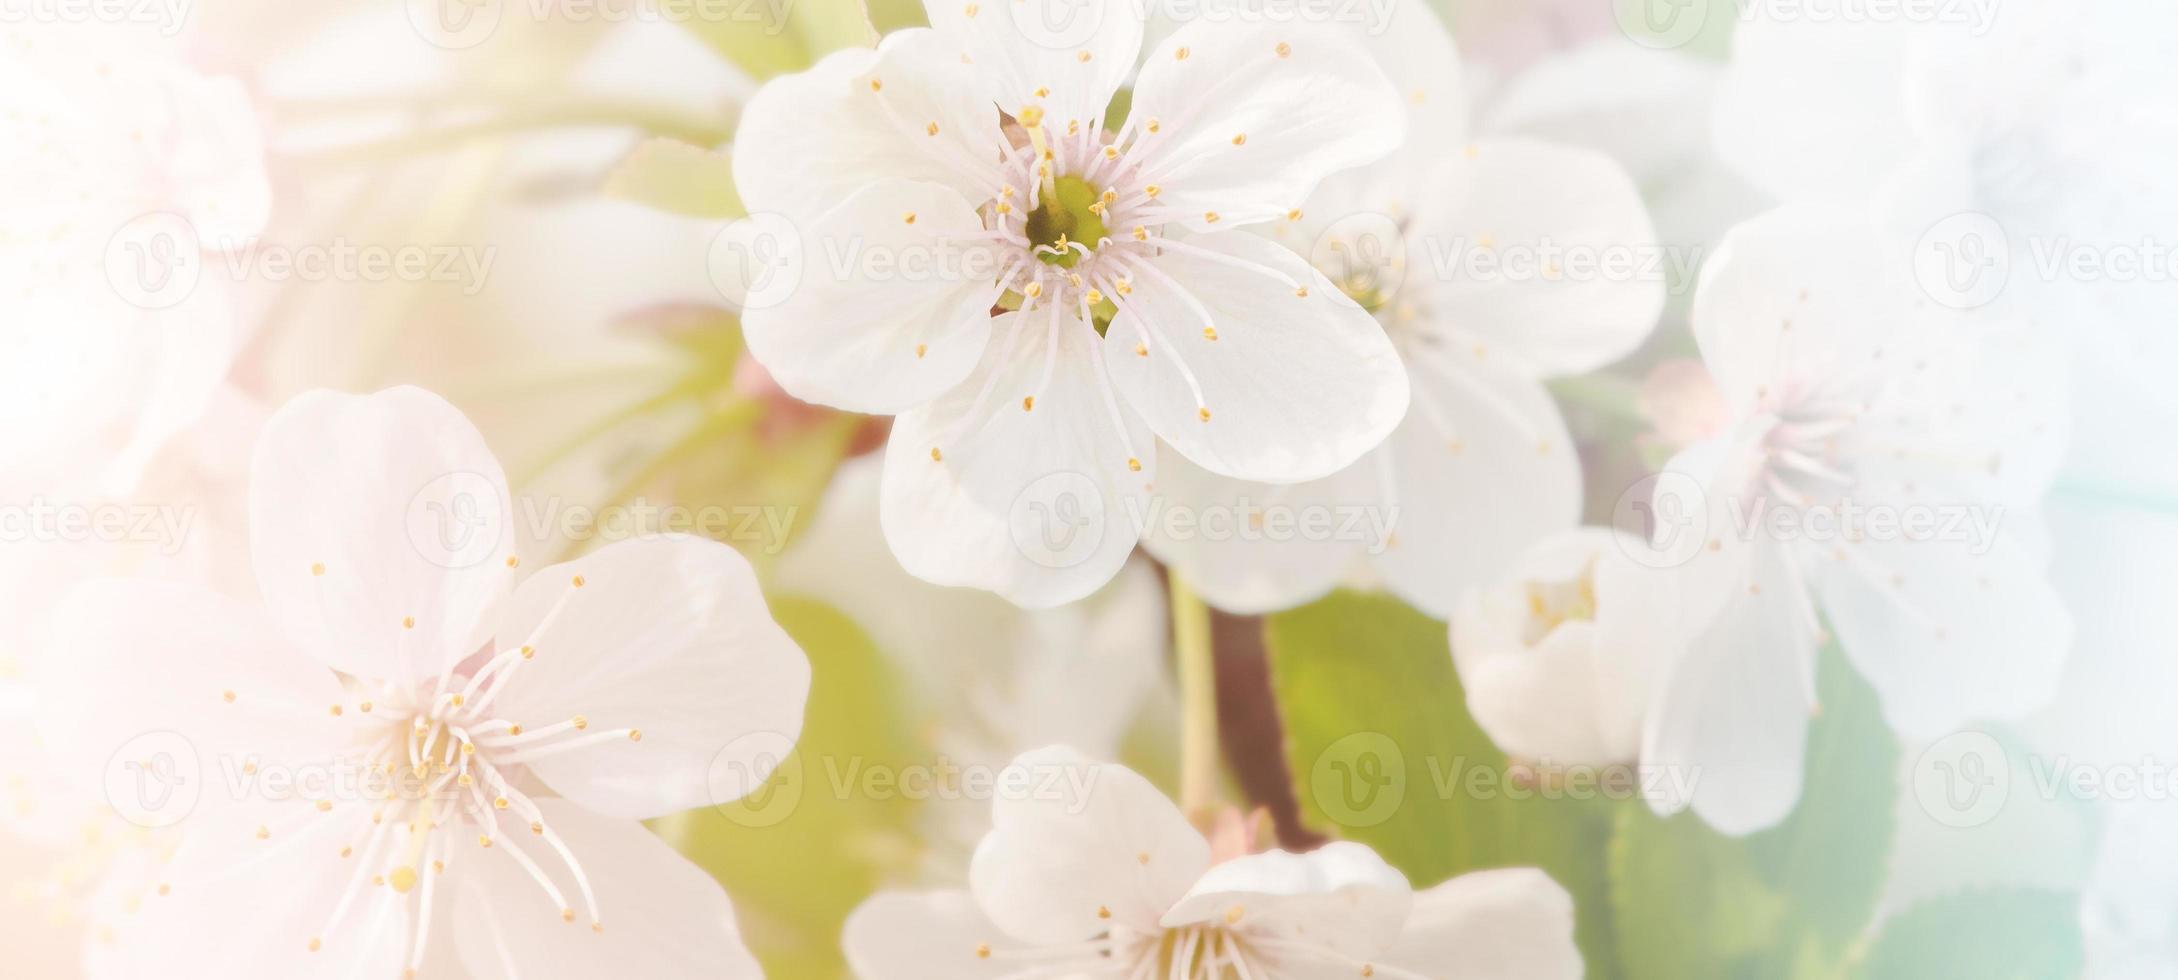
pixel 580 581
pixel 908 217
pixel 165 890
pixel 1301 292
pixel 635 734
pixel 402 879
pixel 1141 350
pixel 1104 912
pixel 1028 404
pixel 513 562
pixel 315 945
pixel 1210 217
pixel 1205 413
pixel 936 456
pixel 971 10
pixel 1155 125
pixel 264 833
pixel 567 915
pixel 1293 215
pixel 581 722
pixel 1030 116
pixel 325 806
pixel 347 851
pixel 1135 466
pixel 1209 333
pixel 483 840
pixel 528 652
pixel 1285 50
pixel 1232 915
pixel 317 568
pixel 227 696
pixel 514 729
pixel 537 828
pixel 408 622
pixel 1111 153
pixel 1181 55
pixel 920 350
pixel 877 85
pixel 365 707
pixel 501 803
pixel 1141 234
pixel 1153 190
pixel 983 951
pixel 1084 57
pixel 1240 139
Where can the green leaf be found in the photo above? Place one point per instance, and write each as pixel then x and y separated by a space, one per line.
pixel 677 177
pixel 1687 902
pixel 767 40
pixel 1999 935
pixel 1384 752
pixel 799 855
pixel 1831 856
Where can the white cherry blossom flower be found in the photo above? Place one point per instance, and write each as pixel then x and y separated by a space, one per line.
pixel 100 137
pixel 1558 662
pixel 1135 312
pixel 1483 464
pixel 1881 470
pixel 1091 872
pixel 461 766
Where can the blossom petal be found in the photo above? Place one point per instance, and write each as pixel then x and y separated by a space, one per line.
pixel 1072 837
pixel 1294 388
pixel 1251 118
pixel 892 310
pixel 1512 922
pixel 1342 896
pixel 132 657
pixel 1948 631
pixel 1729 724
pixel 936 936
pixel 668 636
pixel 661 915
pixel 1812 110
pixel 1575 278
pixel 379 527
pixel 808 141
pixel 1021 487
pixel 1068 58
pixel 1481 469
pixel 1218 534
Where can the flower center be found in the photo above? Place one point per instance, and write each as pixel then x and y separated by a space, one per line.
pixel 1554 604
pixel 1070 216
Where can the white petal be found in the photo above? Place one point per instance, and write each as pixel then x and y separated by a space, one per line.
pixel 1039 505
pixel 132 658
pixel 902 936
pixel 1729 726
pixel 808 141
pixel 379 525
pixel 236 905
pixel 1341 896
pixel 1948 631
pixel 1513 922
pixel 1482 468
pixel 1796 293
pixel 1811 109
pixel 892 310
pixel 1576 278
pixel 668 636
pixel 1256 115
pixel 1618 97
pixel 1072 836
pixel 662 916
pixel 1297 388
pixel 1069 58
pixel 1219 534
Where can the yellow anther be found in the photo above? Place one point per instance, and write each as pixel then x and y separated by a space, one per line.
pixel 1134 466
pixel 920 350
pixel 1205 413
pixel 317 568
pixel 936 456
pixel 1181 55
pixel 932 129
pixel 1028 404
pixel 908 217
pixel 1285 50
pixel 402 879
pixel 1209 333
pixel 1211 217
pixel 1240 139
pixel 580 581
pixel 581 722
pixel 408 622
pixel 1030 116
pixel 528 652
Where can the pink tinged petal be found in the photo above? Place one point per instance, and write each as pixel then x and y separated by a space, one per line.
pixel 1021 482
pixel 1253 117
pixel 1417 53
pixel 1577 279
pixel 893 307
pixel 936 936
pixel 1067 58
pixel 233 903
pixel 1729 725
pixel 1948 631
pixel 1487 925
pixel 810 140
pixel 668 639
pixel 133 658
pixel 1482 467
pixel 1342 897
pixel 380 528
pixel 1681 403
pixel 1075 837
pixel 1298 383
pixel 1795 295
pixel 660 915
pixel 1244 547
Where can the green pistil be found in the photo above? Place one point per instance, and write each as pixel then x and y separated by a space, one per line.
pixel 1065 216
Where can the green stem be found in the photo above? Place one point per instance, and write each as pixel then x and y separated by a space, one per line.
pixel 1198 700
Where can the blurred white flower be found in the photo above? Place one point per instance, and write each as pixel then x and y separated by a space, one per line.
pixel 1232 351
pixel 387 726
pixel 1558 663
pixel 123 167
pixel 1883 464
pixel 1094 873
pixel 1462 249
